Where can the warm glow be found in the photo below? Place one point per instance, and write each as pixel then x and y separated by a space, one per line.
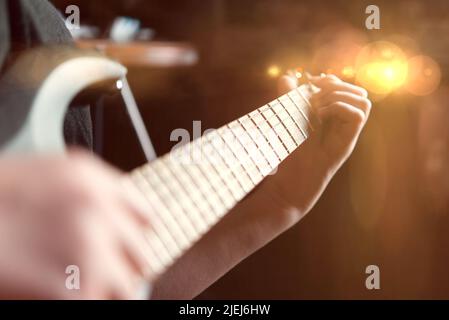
pixel 274 71
pixel 382 68
pixel 425 76
pixel 389 73
pixel 387 53
pixel 348 72
pixel 383 77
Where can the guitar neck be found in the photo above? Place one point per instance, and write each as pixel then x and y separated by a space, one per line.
pixel 193 187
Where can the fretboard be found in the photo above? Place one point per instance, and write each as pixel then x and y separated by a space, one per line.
pixel 190 189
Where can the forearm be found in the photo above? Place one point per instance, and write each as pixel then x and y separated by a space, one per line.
pixel 264 215
pixel 251 225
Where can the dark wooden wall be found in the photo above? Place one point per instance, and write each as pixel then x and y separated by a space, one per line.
pixel 383 208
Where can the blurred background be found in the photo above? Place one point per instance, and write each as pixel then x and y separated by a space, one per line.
pixel 389 205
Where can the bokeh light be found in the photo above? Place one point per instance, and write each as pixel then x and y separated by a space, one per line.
pixel 348 72
pixel 335 50
pixel 394 64
pixel 382 67
pixel 424 76
pixel 274 71
pixel 407 44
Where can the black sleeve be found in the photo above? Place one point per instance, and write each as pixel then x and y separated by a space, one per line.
pixel 30 23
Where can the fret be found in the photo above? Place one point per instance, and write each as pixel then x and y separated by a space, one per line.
pixel 164 235
pixel 288 121
pixel 163 257
pixel 304 95
pixel 265 130
pixel 208 194
pixel 226 174
pixel 179 208
pixel 206 187
pixel 292 127
pixel 272 136
pixel 295 115
pixel 253 147
pixel 170 196
pixel 226 198
pixel 202 206
pixel 158 244
pixel 168 208
pixel 262 146
pixel 279 128
pixel 206 191
pixel 153 246
pixel 151 255
pixel 193 217
pixel 213 169
pixel 209 171
pixel 231 136
pixel 220 194
pixel 233 162
pixel 297 96
pixel 284 117
pixel 191 188
pixel 299 117
pixel 210 191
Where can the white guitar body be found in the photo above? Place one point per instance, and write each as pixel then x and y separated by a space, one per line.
pixel 38 116
pixel 187 200
pixel 50 90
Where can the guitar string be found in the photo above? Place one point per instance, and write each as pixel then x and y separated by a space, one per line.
pixel 241 167
pixel 230 171
pixel 265 121
pixel 249 159
pixel 262 136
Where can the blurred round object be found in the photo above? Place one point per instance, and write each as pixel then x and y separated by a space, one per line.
pixel 348 72
pixel 335 49
pixel 424 76
pixel 407 44
pixel 124 29
pixel 273 71
pixel 381 67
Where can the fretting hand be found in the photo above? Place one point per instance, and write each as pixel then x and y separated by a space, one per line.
pixel 343 110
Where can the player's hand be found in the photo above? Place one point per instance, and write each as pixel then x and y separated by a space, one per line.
pixel 70 210
pixel 343 110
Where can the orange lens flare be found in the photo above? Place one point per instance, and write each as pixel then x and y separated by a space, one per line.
pixel 425 76
pixel 382 67
pixel 273 71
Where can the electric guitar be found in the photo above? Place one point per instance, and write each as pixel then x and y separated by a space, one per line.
pixel 190 189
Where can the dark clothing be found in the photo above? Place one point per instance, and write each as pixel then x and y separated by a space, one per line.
pixel 25 24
